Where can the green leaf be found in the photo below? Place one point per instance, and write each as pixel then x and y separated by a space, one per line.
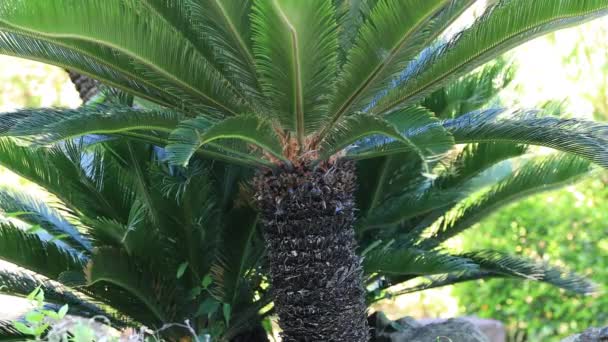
pixel 418 126
pixel 227 311
pixel 472 91
pixel 207 280
pixel 111 266
pixel 506 26
pixel 237 256
pixel 63 311
pixel 181 269
pixel 583 138
pixel 495 264
pixel 30 252
pixel 34 317
pixel 390 38
pixel 132 28
pixel 194 134
pixel 474 159
pixel 219 30
pixel 24 329
pixel 540 174
pixel 295 48
pixel 356 127
pixel 47 126
pixel 208 307
pixel 396 260
pixel 82 59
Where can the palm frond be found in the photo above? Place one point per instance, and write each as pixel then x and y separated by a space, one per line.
pixel 541 174
pixel 151 289
pixel 238 254
pixel 193 134
pixel 19 283
pixel 446 17
pixel 418 126
pixel 494 264
pixel 586 139
pixel 502 28
pixel 134 29
pixel 395 29
pixel 356 127
pixel 223 27
pixel 47 51
pixel 30 252
pixel 397 209
pixel 395 260
pixel 470 92
pixel 350 15
pixel 295 47
pixel 48 126
pixel 54 218
pixel 59 171
pixel 475 159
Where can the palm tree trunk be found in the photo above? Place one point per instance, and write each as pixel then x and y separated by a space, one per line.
pixel 86 86
pixel 317 283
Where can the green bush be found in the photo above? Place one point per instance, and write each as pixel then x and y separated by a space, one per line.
pixel 565 227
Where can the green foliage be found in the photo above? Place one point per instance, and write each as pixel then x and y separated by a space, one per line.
pixel 563 227
pixel 38 320
pixel 262 85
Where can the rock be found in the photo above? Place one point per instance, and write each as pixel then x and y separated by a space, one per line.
pixel 494 330
pixel 589 335
pixel 406 329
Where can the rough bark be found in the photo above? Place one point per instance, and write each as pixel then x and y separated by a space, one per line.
pixel 86 87
pixel 308 217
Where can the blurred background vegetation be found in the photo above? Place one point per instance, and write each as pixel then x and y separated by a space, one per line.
pixel 565 227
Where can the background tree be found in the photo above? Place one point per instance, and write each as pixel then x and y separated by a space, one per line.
pixel 298 90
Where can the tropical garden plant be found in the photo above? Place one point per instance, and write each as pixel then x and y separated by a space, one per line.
pixel 339 109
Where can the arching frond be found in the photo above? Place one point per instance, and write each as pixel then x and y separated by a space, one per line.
pixel 475 159
pixel 137 31
pixel 54 218
pixel 59 171
pixel 44 50
pixel 28 251
pixel 295 47
pixel 238 255
pixel 194 134
pixel 494 264
pixel 583 138
pixel 48 126
pixel 470 92
pixel 391 37
pixel 358 127
pixel 504 27
pixel 418 126
pixel 225 29
pixel 414 262
pixel 153 290
pixel 540 174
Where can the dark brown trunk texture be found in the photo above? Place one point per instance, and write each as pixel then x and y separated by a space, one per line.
pixel 86 87
pixel 317 283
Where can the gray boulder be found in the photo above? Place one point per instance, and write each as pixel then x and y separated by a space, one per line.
pixel 590 335
pixel 452 330
pixel 494 330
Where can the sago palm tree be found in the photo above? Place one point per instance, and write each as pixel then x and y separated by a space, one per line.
pixel 407 252
pixel 300 90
